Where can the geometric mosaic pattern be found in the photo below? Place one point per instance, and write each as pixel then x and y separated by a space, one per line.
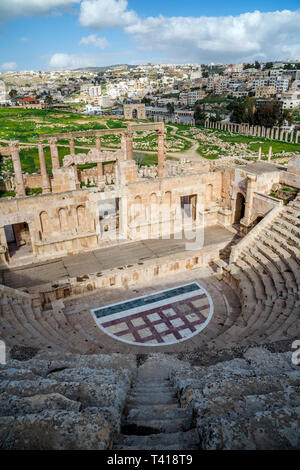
pixel 166 317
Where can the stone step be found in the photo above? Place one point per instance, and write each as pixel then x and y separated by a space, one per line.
pixel 155 426
pixel 162 399
pixel 155 391
pixel 162 412
pixel 152 388
pixel 178 440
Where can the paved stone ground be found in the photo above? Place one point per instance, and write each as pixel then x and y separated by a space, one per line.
pixel 105 258
pixel 226 308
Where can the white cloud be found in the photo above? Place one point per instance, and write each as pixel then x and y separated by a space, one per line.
pixel 17 8
pixel 72 61
pixel 93 40
pixel 224 39
pixel 9 66
pixel 101 14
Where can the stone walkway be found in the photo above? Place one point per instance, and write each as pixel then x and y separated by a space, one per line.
pixel 105 258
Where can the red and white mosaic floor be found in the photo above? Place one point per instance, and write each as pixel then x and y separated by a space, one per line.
pixel 159 319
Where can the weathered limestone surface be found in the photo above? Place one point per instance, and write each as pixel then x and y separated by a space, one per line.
pixel 53 402
pixel 244 404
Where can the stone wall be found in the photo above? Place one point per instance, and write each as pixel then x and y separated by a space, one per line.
pixel 125 276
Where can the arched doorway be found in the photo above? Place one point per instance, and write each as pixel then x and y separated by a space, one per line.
pixel 239 208
pixel 134 114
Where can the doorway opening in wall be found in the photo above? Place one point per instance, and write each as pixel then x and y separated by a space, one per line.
pixel 18 240
pixel 134 114
pixel 188 207
pixel 189 215
pixel 257 220
pixel 239 208
pixel 109 217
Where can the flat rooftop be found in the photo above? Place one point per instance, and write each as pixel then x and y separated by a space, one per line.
pixel 260 167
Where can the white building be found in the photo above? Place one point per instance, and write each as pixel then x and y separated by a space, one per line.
pixel 290 100
pixel 4 96
pixel 94 91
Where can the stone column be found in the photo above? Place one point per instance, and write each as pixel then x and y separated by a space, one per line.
pixel 259 153
pixel 249 200
pixel 19 182
pixel 129 146
pixel 161 139
pixel 292 137
pixel 45 177
pixel 98 143
pixel 72 146
pixel 286 136
pixel 281 134
pixel 99 169
pixel 268 133
pixel 54 153
pixel 277 133
pixel 270 154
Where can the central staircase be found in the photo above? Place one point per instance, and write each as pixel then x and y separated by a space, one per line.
pixel 153 418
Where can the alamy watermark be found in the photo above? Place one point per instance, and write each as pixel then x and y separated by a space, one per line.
pixel 2 352
pixel 155 221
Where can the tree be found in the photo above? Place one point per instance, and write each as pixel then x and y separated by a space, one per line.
pixel 199 115
pixel 146 100
pixel 257 65
pixel 269 114
pixel 243 111
pixel 13 94
pixel 49 100
pixel 171 108
pixel 288 116
pixel 269 65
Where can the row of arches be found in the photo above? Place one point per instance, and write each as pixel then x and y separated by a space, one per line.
pixel 46 222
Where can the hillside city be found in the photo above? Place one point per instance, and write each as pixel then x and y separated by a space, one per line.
pixel 163 88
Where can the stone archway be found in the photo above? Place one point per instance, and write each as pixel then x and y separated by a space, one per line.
pixel 134 114
pixel 239 208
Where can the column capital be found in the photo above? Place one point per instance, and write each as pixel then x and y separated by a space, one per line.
pixel 251 178
pixel 14 145
pixel 53 140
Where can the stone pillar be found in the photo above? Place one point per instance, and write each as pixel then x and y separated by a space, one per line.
pixel 259 153
pixel 272 133
pixel 98 143
pixel 72 146
pixel 249 200
pixel 45 177
pixel 129 145
pixel 286 136
pixel 268 133
pixel 15 153
pixel 277 133
pixel 270 154
pixel 99 169
pixel 281 134
pixel 292 137
pixel 161 139
pixel 54 153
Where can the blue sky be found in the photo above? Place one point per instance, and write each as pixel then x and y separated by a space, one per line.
pixel 51 34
